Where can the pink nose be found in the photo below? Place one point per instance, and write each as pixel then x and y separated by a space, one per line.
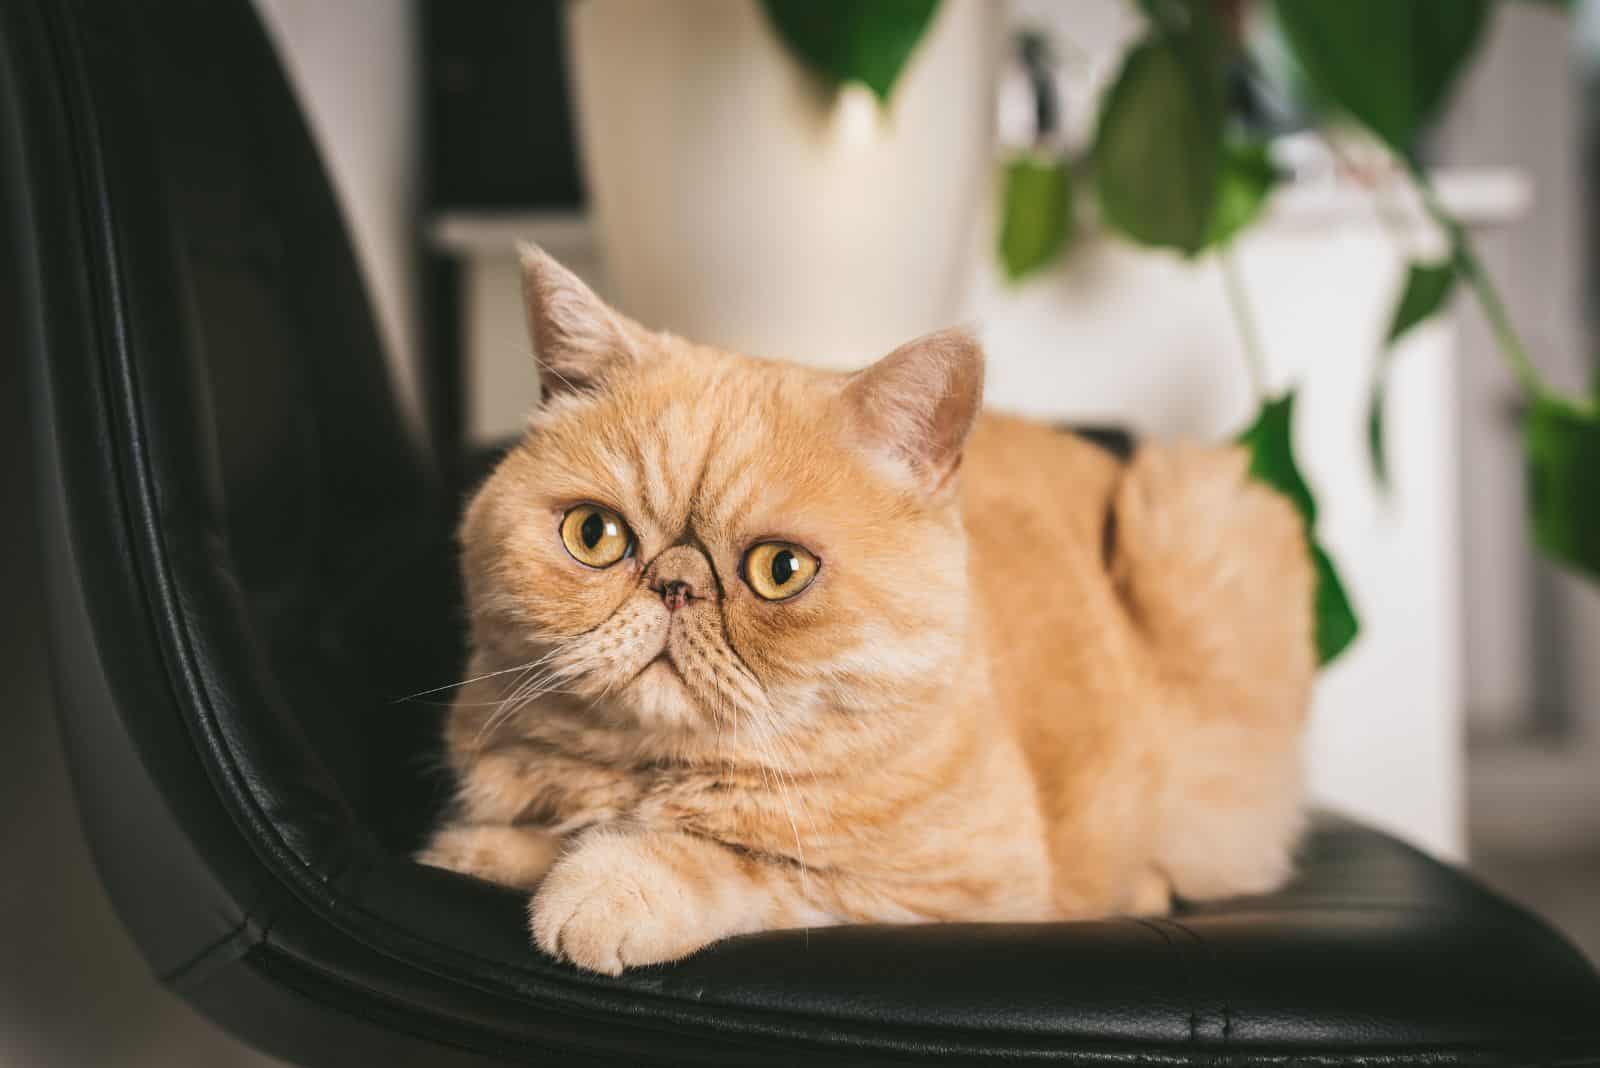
pixel 676 594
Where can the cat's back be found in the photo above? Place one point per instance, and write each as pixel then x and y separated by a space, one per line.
pixel 1031 491
pixel 1036 502
pixel 1167 700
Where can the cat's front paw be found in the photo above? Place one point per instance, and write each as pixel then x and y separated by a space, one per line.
pixel 617 903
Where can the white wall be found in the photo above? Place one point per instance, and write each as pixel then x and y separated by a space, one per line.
pixel 1529 628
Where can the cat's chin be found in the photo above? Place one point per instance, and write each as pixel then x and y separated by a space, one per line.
pixel 660 699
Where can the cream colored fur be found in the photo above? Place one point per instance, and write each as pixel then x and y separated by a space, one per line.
pixel 1029 681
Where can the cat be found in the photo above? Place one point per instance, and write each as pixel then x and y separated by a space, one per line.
pixel 759 646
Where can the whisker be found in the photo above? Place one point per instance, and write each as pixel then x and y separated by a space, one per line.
pixel 764 742
pixel 524 694
pixel 465 682
pixel 519 686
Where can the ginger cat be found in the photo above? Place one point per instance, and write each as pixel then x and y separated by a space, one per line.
pixel 758 646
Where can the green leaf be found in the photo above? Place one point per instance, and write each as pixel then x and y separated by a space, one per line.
pixel 1376 448
pixel 1389 63
pixel 1427 290
pixel 1248 178
pixel 1035 214
pixel 1563 445
pixel 1271 445
pixel 1158 149
pixel 1272 455
pixel 1337 625
pixel 1174 16
pixel 1428 287
pixel 849 41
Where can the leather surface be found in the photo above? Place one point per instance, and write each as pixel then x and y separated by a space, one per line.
pixel 249 562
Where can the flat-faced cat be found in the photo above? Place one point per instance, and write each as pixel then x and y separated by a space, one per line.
pixel 759 646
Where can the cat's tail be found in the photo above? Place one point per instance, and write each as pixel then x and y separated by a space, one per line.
pixel 1215 571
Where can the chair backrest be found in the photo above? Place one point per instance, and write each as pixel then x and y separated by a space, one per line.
pixel 243 534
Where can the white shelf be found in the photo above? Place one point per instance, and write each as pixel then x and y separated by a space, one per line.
pixel 564 234
pixel 1478 197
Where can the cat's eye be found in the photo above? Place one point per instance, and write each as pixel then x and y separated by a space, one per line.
pixel 595 536
pixel 777 570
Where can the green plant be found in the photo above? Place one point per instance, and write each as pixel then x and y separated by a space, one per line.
pixel 1171 171
pixel 849 41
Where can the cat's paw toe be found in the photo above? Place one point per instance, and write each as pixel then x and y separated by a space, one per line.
pixel 608 907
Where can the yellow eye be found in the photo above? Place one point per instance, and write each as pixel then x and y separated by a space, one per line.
pixel 595 536
pixel 777 570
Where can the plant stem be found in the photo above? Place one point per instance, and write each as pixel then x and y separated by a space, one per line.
pixel 1244 319
pixel 1471 269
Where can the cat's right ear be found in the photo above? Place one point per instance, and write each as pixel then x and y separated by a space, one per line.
pixel 576 336
pixel 917 404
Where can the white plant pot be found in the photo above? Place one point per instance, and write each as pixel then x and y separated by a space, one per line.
pixel 739 201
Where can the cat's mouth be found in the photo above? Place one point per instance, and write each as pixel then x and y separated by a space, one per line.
pixel 687 674
pixel 662 661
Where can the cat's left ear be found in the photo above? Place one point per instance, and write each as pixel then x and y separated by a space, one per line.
pixel 576 336
pixel 918 403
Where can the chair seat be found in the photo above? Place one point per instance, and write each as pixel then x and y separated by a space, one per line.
pixel 1375 954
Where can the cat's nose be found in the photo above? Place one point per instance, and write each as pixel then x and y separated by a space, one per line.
pixel 676 593
pixel 681 574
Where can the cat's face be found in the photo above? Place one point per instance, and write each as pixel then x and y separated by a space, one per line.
pixel 698 541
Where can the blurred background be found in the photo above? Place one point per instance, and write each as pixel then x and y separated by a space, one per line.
pixel 700 173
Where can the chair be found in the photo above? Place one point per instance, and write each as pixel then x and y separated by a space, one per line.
pixel 248 559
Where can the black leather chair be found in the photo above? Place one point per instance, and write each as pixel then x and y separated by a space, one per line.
pixel 248 561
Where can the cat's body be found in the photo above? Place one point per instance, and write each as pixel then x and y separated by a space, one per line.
pixel 1047 685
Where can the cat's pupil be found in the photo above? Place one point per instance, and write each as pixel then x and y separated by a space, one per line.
pixel 784 565
pixel 594 528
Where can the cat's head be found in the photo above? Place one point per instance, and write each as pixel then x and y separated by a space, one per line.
pixel 695 540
